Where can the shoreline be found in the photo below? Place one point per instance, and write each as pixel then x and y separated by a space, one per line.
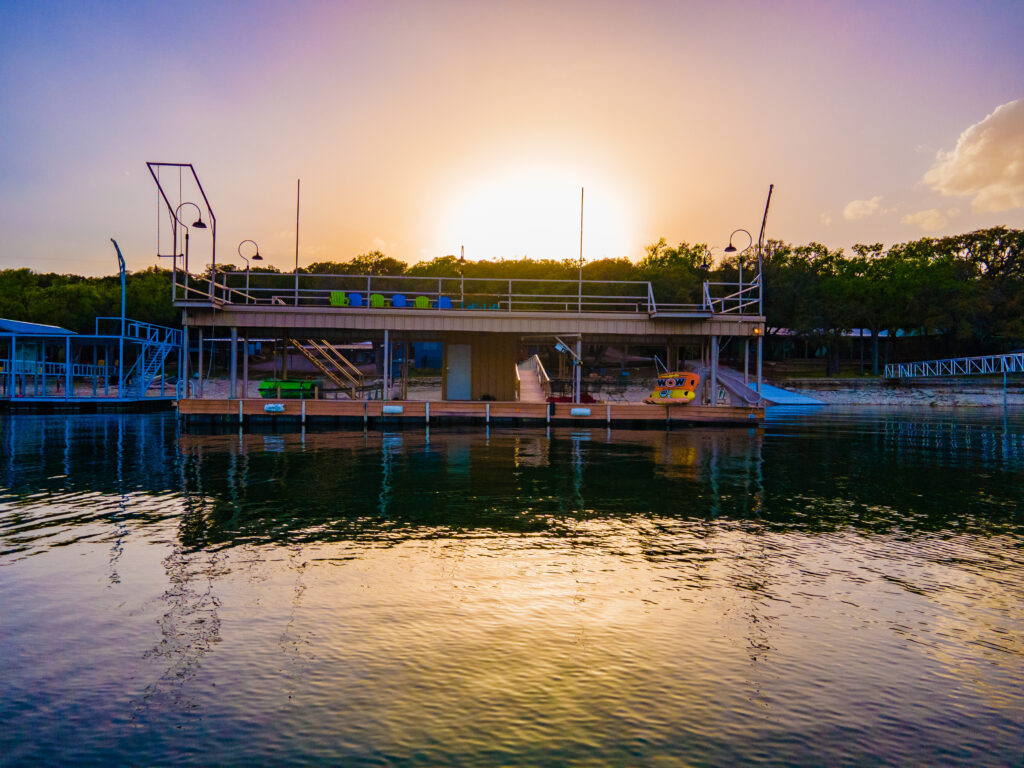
pixel 947 393
pixel 870 392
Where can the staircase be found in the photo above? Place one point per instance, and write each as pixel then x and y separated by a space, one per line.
pixel 335 367
pixel 530 390
pixel 149 361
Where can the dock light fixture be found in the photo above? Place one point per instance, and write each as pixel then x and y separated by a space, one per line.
pixel 730 248
pixel 256 257
pixel 198 223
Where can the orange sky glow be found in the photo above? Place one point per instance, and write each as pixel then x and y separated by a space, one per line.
pixel 421 127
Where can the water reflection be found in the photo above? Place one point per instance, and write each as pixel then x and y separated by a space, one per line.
pixel 840 589
pixel 335 485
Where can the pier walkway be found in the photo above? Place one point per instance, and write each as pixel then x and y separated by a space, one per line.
pixel 988 365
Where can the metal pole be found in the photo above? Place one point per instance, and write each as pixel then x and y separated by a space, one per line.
pixel 387 367
pixel 581 252
pixel 234 363
pixel 68 378
pixel 760 263
pixel 120 354
pixel 183 361
pixel 298 190
pixel 199 370
pixel 579 369
pixel 714 370
pixel 184 293
pixel 746 360
pixel 760 349
pixel 245 366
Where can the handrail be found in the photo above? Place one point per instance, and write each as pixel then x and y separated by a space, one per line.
pixel 136 329
pixel 469 293
pixel 535 363
pixel 1012 362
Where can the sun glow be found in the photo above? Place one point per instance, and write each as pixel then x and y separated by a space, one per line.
pixel 536 213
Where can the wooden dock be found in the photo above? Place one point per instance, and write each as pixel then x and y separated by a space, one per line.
pixel 409 412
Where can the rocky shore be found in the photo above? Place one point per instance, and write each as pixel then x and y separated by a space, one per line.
pixel 965 392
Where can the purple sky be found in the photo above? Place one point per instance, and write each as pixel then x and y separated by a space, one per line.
pixel 418 127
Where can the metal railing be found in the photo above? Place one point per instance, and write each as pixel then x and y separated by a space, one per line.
pixel 535 365
pixel 137 330
pixel 958 366
pixel 742 298
pixel 461 294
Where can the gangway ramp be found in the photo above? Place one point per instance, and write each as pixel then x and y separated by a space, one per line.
pixel 529 384
pixel 987 365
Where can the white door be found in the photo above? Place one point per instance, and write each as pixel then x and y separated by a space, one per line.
pixel 459 373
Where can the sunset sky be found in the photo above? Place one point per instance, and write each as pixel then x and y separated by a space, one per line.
pixel 418 127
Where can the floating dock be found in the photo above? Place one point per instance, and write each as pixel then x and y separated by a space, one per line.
pixel 378 413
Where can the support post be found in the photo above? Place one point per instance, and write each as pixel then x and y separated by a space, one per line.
pixel 245 365
pixel 69 383
pixel 579 369
pixel 714 370
pixel 385 353
pixel 183 362
pixel 199 370
pixel 234 363
pixel 760 349
pixel 746 359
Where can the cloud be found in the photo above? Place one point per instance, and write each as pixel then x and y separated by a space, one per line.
pixel 987 163
pixel 825 219
pixel 860 209
pixel 382 245
pixel 928 220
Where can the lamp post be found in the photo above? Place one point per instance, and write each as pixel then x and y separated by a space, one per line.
pixel 197 224
pixel 256 257
pixel 730 248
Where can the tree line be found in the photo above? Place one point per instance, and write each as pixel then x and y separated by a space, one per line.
pixel 962 294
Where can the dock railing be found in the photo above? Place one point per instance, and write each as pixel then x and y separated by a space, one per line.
pixel 959 366
pixel 534 364
pixel 460 293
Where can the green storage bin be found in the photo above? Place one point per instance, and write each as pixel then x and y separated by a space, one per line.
pixel 293 389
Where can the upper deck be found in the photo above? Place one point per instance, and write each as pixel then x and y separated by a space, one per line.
pixel 272 301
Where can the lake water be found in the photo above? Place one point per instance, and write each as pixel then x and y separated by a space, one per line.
pixel 840 587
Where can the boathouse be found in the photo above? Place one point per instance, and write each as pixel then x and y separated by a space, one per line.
pixel 483 325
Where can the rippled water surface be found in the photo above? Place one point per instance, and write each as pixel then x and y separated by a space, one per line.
pixel 837 588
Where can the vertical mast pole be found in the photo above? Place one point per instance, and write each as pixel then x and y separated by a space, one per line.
pixel 298 191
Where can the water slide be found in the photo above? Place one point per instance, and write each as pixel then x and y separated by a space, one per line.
pixel 745 394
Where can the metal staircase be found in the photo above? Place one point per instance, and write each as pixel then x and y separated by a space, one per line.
pixel 337 368
pixel 154 344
